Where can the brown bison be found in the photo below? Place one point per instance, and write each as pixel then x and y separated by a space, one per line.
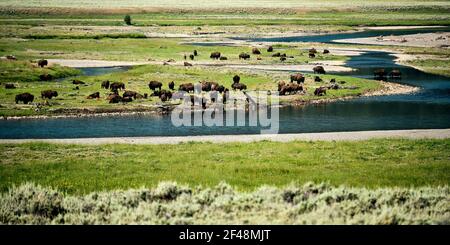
pixel 239 86
pixel 223 58
pixel 333 80
pixel 42 63
pixel 320 91
pixel 115 86
pixel 282 59
pixel 311 55
pixel 319 70
pixel 186 87
pixel 379 74
pixel 95 95
pixel 129 93
pixel 49 94
pixel 105 84
pixel 290 88
pixel 209 86
pixel 127 99
pixel 165 95
pixel 25 98
pixel 244 56
pixel 236 79
pixel 299 78
pixel 114 98
pixel 195 53
pixel 172 85
pixel 215 55
pixel 318 79
pixel 45 77
pixel 11 57
pixel 187 64
pixel 77 82
pixel 9 86
pixel 153 85
pixel 395 73
pixel 220 88
pixel 312 51
pixel 191 57
pixel 326 51
pixel 276 55
pixel 256 51
pixel 270 49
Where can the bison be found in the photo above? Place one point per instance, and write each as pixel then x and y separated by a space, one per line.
pixel 172 85
pixel 49 94
pixel 312 51
pixel 319 70
pixel 326 51
pixel 77 82
pixel 45 77
pixel 395 73
pixel 195 53
pixel 186 87
pixel 299 78
pixel 129 93
pixel 215 55
pixel 153 85
pixel 276 55
pixel 11 57
pixel 270 49
pixel 25 98
pixel 114 98
pixel 115 86
pixel 95 95
pixel 290 88
pixel 311 55
pixel 320 91
pixel 165 95
pixel 256 51
pixel 244 56
pixel 42 63
pixel 127 99
pixel 105 84
pixel 236 79
pixel 318 79
pixel 379 74
pixel 187 64
pixel 191 56
pixel 223 58
pixel 9 86
pixel 333 80
pixel 282 59
pixel 239 86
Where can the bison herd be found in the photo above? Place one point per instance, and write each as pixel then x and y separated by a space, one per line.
pixel 381 74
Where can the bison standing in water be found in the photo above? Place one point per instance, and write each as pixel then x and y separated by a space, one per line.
pixel 25 98
pixel 395 73
pixel 42 63
pixel 244 56
pixel 320 91
pixel 319 70
pixel 256 51
pixel 49 94
pixel 153 85
pixel 379 74
pixel 215 55
pixel 105 84
pixel 299 78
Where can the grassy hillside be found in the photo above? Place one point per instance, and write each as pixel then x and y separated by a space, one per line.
pixel 82 168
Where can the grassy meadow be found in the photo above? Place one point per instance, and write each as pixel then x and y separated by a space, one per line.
pixel 246 166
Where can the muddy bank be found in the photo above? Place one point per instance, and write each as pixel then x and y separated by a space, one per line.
pixel 438 39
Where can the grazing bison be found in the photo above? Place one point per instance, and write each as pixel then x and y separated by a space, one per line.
pixel 191 56
pixel 276 55
pixel 280 85
pixel 9 86
pixel 105 84
pixel 165 95
pixel 129 93
pixel 215 55
pixel 282 59
pixel 115 86
pixel 153 85
pixel 244 56
pixel 320 91
pixel 95 95
pixel 25 98
pixel 187 64
pixel 127 99
pixel 209 86
pixel 326 51
pixel 283 55
pixel 195 53
pixel 186 87
pixel 291 88
pixel 42 63
pixel 318 79
pixel 256 51
pixel 77 82
pixel 49 94
pixel 379 74
pixel 45 77
pixel 395 73
pixel 311 55
pixel 223 58
pixel 270 49
pixel 334 86
pixel 299 78
pixel 114 98
pixel 312 51
pixel 319 70
pixel 259 58
pixel 220 88
pixel 172 85
pixel 11 57
pixel 333 80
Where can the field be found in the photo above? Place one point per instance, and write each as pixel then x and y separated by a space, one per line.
pixel 84 169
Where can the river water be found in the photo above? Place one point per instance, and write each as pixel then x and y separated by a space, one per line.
pixel 428 108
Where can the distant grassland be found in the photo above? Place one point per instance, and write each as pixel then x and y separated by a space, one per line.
pixel 87 168
pixel 436 66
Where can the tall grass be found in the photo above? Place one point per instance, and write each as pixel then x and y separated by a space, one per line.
pixel 170 203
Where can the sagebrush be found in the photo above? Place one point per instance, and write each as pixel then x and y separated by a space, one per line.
pixel 171 203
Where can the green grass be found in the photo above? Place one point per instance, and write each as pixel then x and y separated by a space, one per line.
pixel 435 66
pixel 82 168
pixel 25 71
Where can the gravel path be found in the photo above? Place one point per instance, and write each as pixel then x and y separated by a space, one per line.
pixel 333 136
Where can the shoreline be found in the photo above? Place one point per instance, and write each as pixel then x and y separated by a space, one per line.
pixel 249 138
